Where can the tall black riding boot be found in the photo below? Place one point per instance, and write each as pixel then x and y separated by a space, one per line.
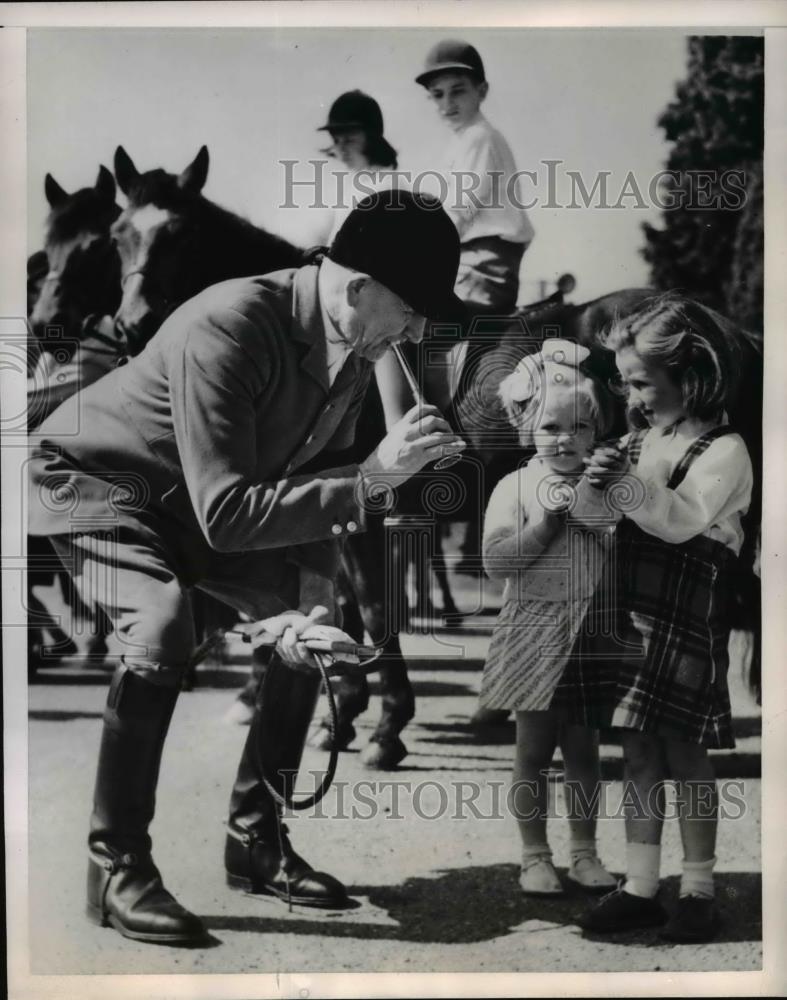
pixel 258 855
pixel 124 887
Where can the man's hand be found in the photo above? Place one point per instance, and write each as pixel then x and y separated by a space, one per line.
pixel 606 465
pixel 288 627
pixel 331 634
pixel 421 436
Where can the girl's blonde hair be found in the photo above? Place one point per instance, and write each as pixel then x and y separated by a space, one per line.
pixel 523 414
pixel 691 343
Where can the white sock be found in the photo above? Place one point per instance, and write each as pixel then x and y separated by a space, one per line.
pixel 697 878
pixel 536 851
pixel 581 847
pixel 643 862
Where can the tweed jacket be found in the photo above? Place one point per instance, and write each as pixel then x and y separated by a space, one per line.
pixel 225 423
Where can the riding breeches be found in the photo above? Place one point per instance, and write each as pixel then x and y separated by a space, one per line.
pixel 142 582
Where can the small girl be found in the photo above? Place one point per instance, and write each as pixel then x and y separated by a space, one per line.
pixel 551 565
pixel 689 481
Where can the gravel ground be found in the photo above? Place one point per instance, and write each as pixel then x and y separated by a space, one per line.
pixel 432 894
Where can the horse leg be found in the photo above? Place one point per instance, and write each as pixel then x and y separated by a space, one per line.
pixel 382 602
pixel 385 749
pixel 441 573
pixel 351 691
pixel 422 577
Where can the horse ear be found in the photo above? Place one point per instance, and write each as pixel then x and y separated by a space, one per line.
pixel 196 173
pixel 55 195
pixel 125 171
pixel 105 184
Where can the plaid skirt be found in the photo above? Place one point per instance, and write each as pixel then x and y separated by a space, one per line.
pixel 652 652
pixel 528 653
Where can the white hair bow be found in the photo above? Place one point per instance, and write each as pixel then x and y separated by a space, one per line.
pixel 543 367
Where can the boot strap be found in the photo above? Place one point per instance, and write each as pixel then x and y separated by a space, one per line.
pixel 117 862
pixel 250 837
pixel 111 866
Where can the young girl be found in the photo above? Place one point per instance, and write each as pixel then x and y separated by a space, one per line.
pixel 551 565
pixel 355 125
pixel 690 479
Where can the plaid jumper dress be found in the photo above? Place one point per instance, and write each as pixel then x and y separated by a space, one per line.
pixel 652 654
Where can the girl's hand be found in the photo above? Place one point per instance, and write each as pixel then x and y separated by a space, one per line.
pixel 607 464
pixel 545 524
pixel 543 515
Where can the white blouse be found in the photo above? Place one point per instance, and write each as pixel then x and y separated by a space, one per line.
pixel 714 494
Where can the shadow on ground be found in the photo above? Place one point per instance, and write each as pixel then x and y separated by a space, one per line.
pixel 726 763
pixel 468 905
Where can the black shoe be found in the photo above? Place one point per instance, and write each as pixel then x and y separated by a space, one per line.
pixel 622 911
pixel 126 892
pixel 695 921
pixel 256 863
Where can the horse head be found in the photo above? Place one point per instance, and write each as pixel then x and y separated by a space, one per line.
pixel 82 269
pixel 173 243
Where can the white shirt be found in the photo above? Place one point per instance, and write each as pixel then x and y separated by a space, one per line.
pixel 714 494
pixel 479 150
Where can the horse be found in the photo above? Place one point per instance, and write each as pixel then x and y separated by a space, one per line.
pixel 77 275
pixel 173 243
pixel 78 271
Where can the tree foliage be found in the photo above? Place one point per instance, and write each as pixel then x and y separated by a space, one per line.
pixel 711 243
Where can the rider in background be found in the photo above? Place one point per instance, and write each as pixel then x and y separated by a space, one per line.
pixel 479 168
pixel 355 125
pixel 479 180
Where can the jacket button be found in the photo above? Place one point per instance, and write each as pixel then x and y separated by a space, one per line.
pixel 352 526
pixel 336 529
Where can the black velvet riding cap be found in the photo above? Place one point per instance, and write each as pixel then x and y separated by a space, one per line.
pixel 407 242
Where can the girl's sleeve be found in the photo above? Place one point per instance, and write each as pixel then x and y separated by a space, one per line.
pixel 717 484
pixel 507 547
